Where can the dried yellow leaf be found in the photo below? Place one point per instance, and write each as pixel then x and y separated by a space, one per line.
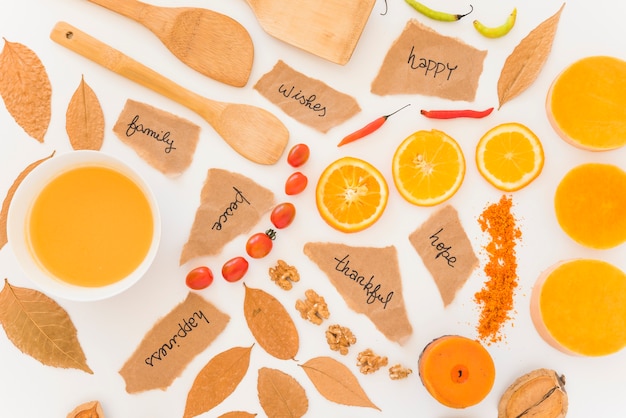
pixel 280 394
pixel 25 89
pixel 335 382
pixel 40 328
pixel 84 119
pixel 217 380
pixel 4 212
pixel 522 67
pixel 270 324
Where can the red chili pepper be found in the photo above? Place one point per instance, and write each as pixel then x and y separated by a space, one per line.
pixel 451 114
pixel 369 128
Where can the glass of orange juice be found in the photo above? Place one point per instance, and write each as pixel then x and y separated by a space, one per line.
pixel 84 225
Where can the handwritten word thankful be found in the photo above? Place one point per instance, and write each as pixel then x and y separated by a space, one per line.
pixel 134 127
pixel 308 102
pixel 185 327
pixel 372 291
pixel 443 251
pixel 435 68
pixel 230 209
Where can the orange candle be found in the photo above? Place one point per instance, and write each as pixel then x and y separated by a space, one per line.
pixel 457 371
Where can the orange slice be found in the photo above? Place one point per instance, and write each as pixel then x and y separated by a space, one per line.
pixel 428 168
pixel 351 194
pixel 590 205
pixel 509 156
pixel 586 104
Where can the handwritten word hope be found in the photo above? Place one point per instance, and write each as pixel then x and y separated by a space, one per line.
pixel 134 127
pixel 443 250
pixel 372 292
pixel 185 327
pixel 230 209
pixel 431 67
pixel 308 102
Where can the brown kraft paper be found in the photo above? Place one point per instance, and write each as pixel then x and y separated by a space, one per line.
pixel 172 343
pixel 446 251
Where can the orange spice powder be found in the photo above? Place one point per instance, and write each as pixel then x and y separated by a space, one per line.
pixel 496 296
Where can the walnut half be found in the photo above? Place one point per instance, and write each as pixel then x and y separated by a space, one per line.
pixel 369 362
pixel 339 338
pixel 397 372
pixel 313 308
pixel 284 275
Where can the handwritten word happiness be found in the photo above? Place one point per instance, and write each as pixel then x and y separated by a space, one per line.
pixel 230 209
pixel 431 67
pixel 443 250
pixel 372 291
pixel 134 127
pixel 186 327
pixel 308 102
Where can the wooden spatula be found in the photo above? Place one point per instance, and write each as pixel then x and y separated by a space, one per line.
pixel 209 42
pixel 253 132
pixel 329 28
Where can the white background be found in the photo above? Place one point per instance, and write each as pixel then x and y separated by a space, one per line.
pixel 110 330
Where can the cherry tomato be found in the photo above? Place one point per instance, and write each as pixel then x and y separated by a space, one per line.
pixel 296 183
pixel 199 278
pixel 234 269
pixel 259 245
pixel 298 155
pixel 283 215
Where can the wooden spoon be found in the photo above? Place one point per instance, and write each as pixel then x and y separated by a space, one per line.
pixel 329 29
pixel 253 132
pixel 209 42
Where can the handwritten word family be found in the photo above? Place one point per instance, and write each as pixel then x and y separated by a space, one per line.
pixel 230 209
pixel 134 126
pixel 372 291
pixel 431 67
pixel 308 102
pixel 186 327
pixel 442 249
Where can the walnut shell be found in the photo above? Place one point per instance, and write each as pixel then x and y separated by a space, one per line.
pixel 87 410
pixel 540 393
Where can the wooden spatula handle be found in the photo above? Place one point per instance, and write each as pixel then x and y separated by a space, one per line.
pixel 72 38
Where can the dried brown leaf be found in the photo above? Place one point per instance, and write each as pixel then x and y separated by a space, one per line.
pixel 40 328
pixel 270 324
pixel 522 67
pixel 84 119
pixel 25 89
pixel 4 212
pixel 280 394
pixel 237 414
pixel 217 380
pixel 336 382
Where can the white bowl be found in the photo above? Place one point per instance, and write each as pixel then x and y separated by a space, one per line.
pixel 19 214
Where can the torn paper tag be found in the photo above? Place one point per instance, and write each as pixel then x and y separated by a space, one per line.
pixel 369 280
pixel 165 141
pixel 305 99
pixel 172 343
pixel 421 61
pixel 446 251
pixel 230 205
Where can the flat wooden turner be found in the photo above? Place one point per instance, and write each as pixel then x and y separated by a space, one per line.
pixel 209 42
pixel 329 29
pixel 252 131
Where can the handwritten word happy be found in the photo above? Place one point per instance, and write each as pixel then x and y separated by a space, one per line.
pixel 184 329
pixel 304 101
pixel 371 291
pixel 441 247
pixel 230 210
pixel 430 66
pixel 134 127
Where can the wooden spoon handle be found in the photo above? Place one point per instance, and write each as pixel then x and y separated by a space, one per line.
pixel 65 34
pixel 129 8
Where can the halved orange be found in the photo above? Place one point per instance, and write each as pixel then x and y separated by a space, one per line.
pixel 428 167
pixel 509 156
pixel 351 194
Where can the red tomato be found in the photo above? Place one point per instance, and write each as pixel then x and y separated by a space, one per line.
pixel 296 183
pixel 298 155
pixel 234 269
pixel 259 245
pixel 283 215
pixel 199 278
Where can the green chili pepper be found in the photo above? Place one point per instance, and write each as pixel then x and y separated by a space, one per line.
pixel 497 31
pixel 434 14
